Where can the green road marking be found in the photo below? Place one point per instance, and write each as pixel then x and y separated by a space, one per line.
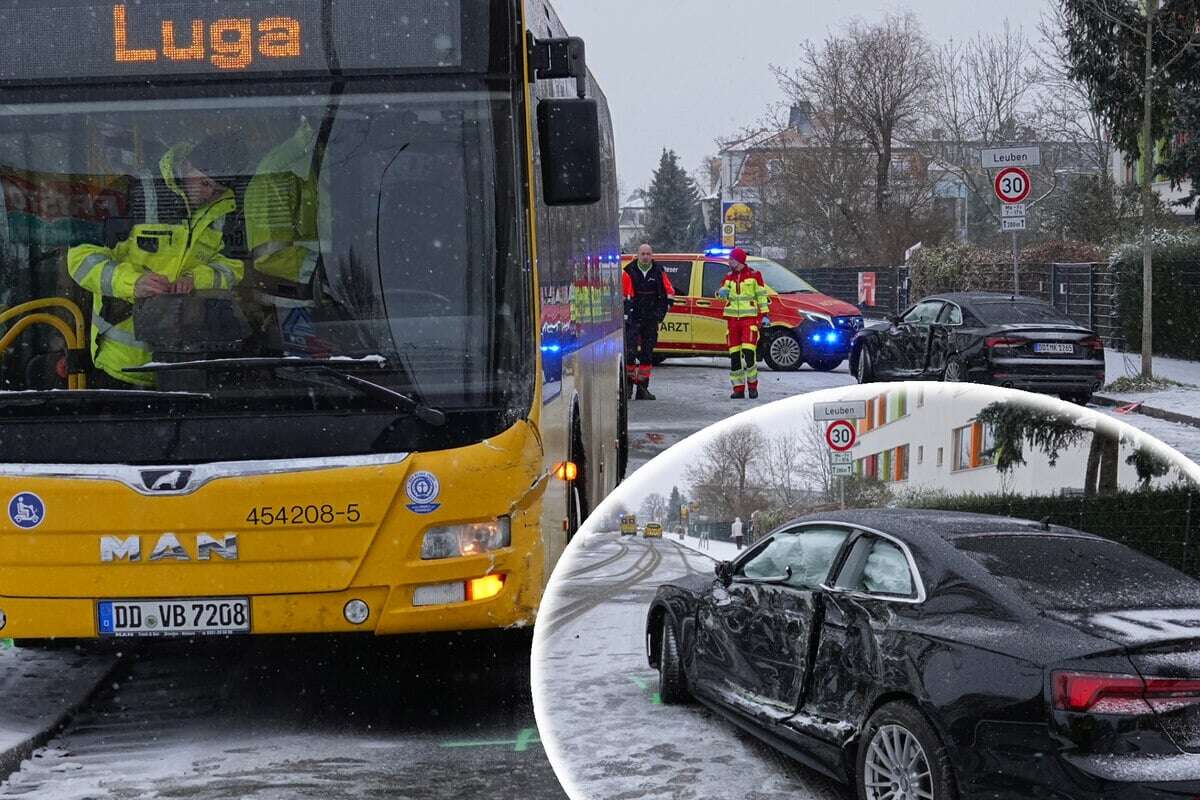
pixel 524 738
pixel 644 685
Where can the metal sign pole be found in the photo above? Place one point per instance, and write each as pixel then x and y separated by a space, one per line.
pixel 1016 261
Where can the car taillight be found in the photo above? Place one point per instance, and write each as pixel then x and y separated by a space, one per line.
pixel 1093 343
pixel 1097 693
pixel 1004 341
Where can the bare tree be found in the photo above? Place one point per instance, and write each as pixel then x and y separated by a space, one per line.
pixel 832 175
pixel 890 78
pixel 983 95
pixel 722 479
pixel 654 508
pixel 1062 106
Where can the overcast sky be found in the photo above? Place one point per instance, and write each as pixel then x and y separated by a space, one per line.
pixel 682 73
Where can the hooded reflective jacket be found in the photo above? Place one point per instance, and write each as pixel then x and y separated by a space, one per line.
pixel 189 248
pixel 281 211
pixel 746 294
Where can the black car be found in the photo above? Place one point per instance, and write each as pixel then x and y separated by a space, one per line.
pixel 1018 342
pixel 937 655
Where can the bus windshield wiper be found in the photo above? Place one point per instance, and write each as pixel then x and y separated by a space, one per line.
pixel 341 370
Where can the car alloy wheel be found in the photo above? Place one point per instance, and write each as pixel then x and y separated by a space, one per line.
pixel 896 766
pixel 955 373
pixel 784 353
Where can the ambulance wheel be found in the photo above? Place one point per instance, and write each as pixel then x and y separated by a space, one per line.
pixel 659 360
pixel 783 352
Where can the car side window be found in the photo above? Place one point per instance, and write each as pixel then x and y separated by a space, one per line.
pixel 877 566
pixel 924 313
pixel 809 552
pixel 679 273
pixel 714 276
pixel 950 315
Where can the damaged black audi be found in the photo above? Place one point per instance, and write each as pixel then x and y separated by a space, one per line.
pixel 934 655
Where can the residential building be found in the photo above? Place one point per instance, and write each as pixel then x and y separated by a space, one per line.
pixel 919 438
pixel 633 221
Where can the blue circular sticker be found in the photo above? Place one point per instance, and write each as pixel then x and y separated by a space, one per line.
pixel 423 490
pixel 26 510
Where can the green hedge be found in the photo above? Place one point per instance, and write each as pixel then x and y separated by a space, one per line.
pixel 1161 523
pixel 1176 293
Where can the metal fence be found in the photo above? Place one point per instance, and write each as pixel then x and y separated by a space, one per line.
pixel 1087 293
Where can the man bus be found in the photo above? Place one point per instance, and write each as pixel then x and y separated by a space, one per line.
pixel 412 451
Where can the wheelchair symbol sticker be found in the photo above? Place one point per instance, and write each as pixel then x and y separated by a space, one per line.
pixel 26 510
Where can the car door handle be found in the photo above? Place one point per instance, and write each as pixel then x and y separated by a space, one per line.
pixel 679 301
pixel 704 303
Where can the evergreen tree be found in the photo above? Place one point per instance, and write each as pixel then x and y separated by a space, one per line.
pixel 671 207
pixel 1131 56
pixel 673 505
pixel 1183 163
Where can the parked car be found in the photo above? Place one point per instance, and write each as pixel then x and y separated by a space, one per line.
pixel 1018 342
pixel 937 655
pixel 652 531
pixel 806 326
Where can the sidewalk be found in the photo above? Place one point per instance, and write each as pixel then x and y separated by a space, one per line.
pixel 1179 404
pixel 717 551
pixel 39 690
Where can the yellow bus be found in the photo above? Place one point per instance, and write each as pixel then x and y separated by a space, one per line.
pixel 309 314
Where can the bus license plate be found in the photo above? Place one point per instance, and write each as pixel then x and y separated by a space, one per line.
pixel 174 617
pixel 1054 347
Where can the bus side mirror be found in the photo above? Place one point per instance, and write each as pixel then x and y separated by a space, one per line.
pixel 569 133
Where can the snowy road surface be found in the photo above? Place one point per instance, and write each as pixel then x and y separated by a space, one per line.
pixel 600 710
pixel 292 719
pixel 693 393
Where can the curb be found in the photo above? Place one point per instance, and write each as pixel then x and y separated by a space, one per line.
pixel 1149 411
pixel 13 757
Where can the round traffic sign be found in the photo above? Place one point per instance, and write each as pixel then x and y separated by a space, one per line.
pixel 841 435
pixel 1012 185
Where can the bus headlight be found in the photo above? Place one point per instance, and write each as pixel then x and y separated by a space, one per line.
pixel 455 541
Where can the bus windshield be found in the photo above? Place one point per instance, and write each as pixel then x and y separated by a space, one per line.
pixel 368 228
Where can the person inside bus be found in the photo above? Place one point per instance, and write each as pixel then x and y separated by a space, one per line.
pixel 282 235
pixel 156 259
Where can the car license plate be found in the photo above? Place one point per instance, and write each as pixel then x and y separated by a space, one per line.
pixel 174 617
pixel 1054 347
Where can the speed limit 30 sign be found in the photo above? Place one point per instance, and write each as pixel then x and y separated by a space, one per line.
pixel 841 435
pixel 1012 185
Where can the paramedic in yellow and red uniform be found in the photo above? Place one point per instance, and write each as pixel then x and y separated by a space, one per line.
pixel 156 258
pixel 747 303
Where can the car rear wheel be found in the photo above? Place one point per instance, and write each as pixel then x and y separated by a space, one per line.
pixel 900 757
pixel 783 352
pixel 955 371
pixel 866 370
pixel 672 683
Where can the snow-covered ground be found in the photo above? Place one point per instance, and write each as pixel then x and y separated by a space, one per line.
pixel 598 709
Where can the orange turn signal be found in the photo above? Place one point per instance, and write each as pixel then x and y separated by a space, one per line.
pixel 485 587
pixel 566 471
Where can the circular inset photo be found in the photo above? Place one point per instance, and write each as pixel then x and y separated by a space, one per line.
pixel 884 592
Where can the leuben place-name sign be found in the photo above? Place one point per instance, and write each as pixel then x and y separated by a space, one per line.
pixel 1001 157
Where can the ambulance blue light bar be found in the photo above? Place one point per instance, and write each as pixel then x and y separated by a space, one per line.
pixel 719 252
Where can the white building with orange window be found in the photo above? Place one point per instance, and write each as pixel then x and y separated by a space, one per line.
pixel 924 437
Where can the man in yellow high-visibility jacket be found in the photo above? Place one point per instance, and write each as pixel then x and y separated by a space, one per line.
pixel 156 258
pixel 747 303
